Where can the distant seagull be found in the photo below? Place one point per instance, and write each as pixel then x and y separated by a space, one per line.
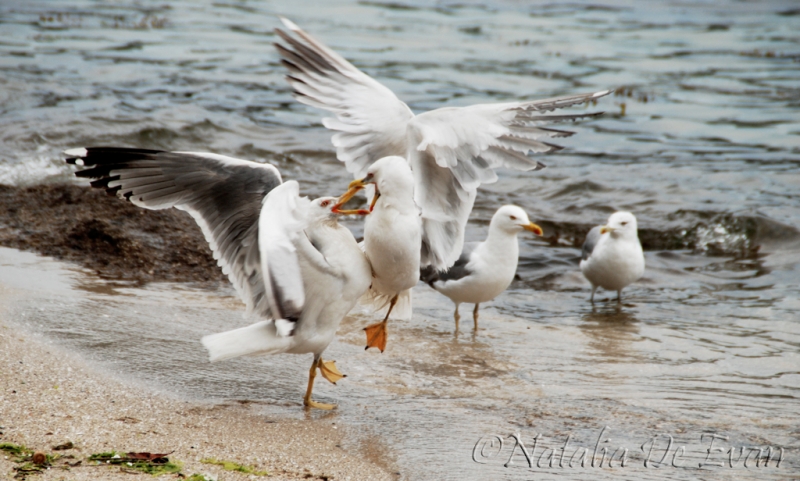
pixel 451 150
pixel 392 240
pixel 485 269
pixel 612 254
pixel 288 258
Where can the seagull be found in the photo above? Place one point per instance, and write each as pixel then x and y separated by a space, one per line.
pixel 612 254
pixel 288 258
pixel 484 269
pixel 392 239
pixel 451 150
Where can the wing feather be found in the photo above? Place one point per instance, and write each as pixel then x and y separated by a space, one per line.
pixel 223 194
pixel 592 237
pixel 370 120
pixel 451 150
pixel 283 218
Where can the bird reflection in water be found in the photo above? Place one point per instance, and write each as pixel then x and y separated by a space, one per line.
pixel 612 331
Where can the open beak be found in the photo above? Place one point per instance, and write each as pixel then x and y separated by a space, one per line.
pixel 374 199
pixel 533 228
pixel 352 189
pixel 358 184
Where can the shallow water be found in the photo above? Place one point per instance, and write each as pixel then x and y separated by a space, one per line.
pixel 701 143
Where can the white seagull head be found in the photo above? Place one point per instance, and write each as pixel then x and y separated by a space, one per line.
pixel 512 219
pixel 392 177
pixel 320 209
pixel 621 225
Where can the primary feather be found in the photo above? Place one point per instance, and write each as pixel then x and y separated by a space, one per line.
pixel 451 150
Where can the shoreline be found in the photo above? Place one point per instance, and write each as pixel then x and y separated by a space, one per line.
pixel 51 396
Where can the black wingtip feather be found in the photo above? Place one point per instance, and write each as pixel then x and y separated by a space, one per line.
pixel 291 79
pixel 553 147
pixel 428 275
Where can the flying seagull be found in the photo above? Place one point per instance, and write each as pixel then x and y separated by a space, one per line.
pixel 451 150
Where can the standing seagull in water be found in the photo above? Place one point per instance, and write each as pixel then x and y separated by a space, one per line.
pixel 288 258
pixel 451 151
pixel 485 269
pixel 392 238
pixel 612 254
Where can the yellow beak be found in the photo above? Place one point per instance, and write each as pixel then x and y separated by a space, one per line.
pixel 605 229
pixel 533 228
pixel 358 183
pixel 352 189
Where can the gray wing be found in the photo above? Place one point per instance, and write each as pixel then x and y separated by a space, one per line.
pixel 223 194
pixel 459 270
pixel 591 240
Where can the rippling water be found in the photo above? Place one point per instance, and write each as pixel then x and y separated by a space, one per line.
pixel 701 142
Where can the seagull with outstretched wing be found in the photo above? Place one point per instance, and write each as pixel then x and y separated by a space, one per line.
pixel 451 150
pixel 288 258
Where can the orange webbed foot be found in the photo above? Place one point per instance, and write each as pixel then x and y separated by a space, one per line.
pixel 376 335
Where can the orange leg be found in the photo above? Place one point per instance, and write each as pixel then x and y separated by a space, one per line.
pixel 376 333
pixel 330 372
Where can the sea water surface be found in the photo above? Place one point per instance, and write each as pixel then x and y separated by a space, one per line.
pixel 701 141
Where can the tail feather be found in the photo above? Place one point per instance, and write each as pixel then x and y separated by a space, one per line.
pixel 374 302
pixel 259 338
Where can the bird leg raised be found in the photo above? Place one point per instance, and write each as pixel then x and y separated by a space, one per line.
pixel 329 371
pixel 376 333
pixel 312 373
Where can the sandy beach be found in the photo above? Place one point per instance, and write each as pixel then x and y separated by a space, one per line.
pixel 49 397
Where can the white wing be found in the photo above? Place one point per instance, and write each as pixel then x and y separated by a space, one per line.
pixel 283 218
pixel 451 150
pixel 223 194
pixel 454 150
pixel 370 119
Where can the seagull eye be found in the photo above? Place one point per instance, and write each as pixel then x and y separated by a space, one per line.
pixel 513 217
pixel 624 223
pixel 325 203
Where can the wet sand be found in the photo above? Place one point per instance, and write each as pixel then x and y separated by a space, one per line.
pixel 50 397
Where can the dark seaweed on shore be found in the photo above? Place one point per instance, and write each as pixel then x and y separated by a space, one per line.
pixel 116 239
